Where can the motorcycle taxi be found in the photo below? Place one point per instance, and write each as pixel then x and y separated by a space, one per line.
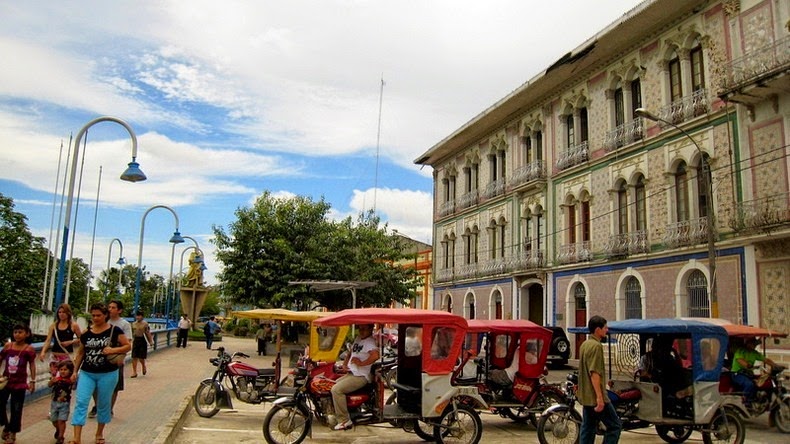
pixel 258 385
pixel 428 349
pixel 509 347
pixel 773 388
pixel 684 399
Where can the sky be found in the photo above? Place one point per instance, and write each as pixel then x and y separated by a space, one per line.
pixel 229 99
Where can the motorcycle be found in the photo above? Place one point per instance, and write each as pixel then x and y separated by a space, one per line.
pixel 247 383
pixel 772 397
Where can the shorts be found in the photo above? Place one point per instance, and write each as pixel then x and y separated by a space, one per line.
pixel 58 411
pixel 139 348
pixel 119 386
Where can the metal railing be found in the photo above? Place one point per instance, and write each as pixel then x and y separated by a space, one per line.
pixel 623 135
pixel 529 260
pixel 447 208
pixel 529 172
pixel 634 242
pixel 685 108
pixel 467 200
pixel 574 155
pixel 494 188
pixel 754 64
pixel 761 214
pixel 573 253
pixel 687 232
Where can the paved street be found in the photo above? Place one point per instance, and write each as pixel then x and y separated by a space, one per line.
pixel 155 409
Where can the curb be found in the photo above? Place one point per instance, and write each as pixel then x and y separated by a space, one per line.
pixel 168 435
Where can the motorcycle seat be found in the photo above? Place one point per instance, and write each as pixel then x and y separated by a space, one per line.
pixel 406 388
pixel 266 372
pixel 632 394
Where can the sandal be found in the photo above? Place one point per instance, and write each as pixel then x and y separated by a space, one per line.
pixel 100 440
pixel 134 375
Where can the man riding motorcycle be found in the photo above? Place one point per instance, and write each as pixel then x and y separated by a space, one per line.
pixel 364 353
pixel 743 365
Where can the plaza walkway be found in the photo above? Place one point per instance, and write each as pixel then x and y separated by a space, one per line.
pixel 150 406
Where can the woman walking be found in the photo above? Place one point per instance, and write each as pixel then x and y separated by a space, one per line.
pixel 94 370
pixel 66 333
pixel 17 357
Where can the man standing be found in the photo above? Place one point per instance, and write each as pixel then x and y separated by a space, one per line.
pixel 184 325
pixel 142 337
pixel 592 389
pixel 209 330
pixel 357 363
pixel 115 307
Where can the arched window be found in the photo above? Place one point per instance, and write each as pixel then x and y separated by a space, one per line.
pixel 571 140
pixel 697 290
pixel 633 299
pixel 681 193
pixel 469 306
pixel 580 297
pixel 448 303
pixel 703 176
pixel 622 208
pixel 496 304
pixel 641 204
pixel 697 67
pixel 675 85
pixel 636 96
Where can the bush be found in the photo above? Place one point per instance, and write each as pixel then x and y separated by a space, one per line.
pixel 241 330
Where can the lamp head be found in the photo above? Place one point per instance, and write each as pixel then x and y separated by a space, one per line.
pixel 133 173
pixel 176 239
pixel 121 261
pixel 198 259
pixel 643 112
pixel 203 266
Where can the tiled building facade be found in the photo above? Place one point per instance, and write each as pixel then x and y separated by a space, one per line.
pixel 561 201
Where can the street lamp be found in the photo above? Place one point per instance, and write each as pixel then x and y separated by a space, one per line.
pixel 175 239
pixel 132 174
pixel 120 263
pixel 714 299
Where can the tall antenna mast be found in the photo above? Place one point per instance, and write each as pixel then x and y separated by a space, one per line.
pixel 378 140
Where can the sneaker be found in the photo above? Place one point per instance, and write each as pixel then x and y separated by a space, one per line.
pixel 92 413
pixel 345 425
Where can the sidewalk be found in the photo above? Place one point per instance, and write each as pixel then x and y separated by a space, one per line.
pixel 151 405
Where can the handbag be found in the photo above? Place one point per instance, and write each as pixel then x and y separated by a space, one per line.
pixel 115 358
pixel 3 379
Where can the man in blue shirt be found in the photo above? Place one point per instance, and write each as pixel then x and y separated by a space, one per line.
pixel 209 329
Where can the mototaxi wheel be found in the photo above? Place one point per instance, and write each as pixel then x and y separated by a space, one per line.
pixel 780 415
pixel 561 426
pixel 206 398
pixel 423 430
pixel 459 425
pixel 726 427
pixel 673 434
pixel 286 424
pixel 545 399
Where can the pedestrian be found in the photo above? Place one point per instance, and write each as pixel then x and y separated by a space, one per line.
pixel 59 408
pixel 141 333
pixel 66 334
pixel 115 308
pixel 17 358
pixel 592 390
pixel 95 372
pixel 184 324
pixel 210 328
pixel 260 336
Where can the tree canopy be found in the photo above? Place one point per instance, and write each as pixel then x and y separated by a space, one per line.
pixel 277 241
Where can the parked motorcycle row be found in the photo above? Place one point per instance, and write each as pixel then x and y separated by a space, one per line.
pixel 444 371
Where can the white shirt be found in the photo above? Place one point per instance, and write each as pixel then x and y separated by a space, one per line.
pixel 124 325
pixel 361 349
pixel 184 324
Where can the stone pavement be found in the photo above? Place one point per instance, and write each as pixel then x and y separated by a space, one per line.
pixel 150 405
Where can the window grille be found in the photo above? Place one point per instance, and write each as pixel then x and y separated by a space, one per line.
pixel 697 290
pixel 633 299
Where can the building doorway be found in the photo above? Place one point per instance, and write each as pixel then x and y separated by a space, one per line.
pixel 532 303
pixel 580 306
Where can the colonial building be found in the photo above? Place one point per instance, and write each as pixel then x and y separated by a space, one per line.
pixel 562 201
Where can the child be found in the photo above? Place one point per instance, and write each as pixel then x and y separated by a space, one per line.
pixel 61 398
pixel 15 356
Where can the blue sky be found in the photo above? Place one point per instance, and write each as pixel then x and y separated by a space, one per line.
pixel 229 99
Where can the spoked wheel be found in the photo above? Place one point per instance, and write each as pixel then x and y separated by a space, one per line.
pixel 286 425
pixel 391 400
pixel 206 398
pixel 781 415
pixel 673 434
pixel 561 426
pixel 423 430
pixel 546 399
pixel 459 425
pixel 726 427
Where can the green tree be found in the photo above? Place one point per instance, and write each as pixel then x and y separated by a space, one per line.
pixel 277 241
pixel 211 306
pixel 23 260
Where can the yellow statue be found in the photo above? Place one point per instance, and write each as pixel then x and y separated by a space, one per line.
pixel 195 275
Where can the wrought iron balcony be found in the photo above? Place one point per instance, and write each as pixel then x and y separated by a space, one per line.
pixel 494 188
pixel 444 275
pixel 625 244
pixel 529 260
pixel 447 207
pixel 756 65
pixel 467 271
pixel 573 253
pixel 529 172
pixel 574 155
pixel 623 135
pixel 493 266
pixel 761 214
pixel 685 108
pixel 467 200
pixel 687 232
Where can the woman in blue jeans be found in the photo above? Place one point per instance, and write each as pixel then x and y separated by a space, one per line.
pixel 95 372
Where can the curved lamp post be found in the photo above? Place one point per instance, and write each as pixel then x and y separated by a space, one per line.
pixel 711 224
pixel 175 239
pixel 132 174
pixel 120 263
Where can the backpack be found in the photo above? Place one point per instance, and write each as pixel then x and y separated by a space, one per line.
pixel 207 328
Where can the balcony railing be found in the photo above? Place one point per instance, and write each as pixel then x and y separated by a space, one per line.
pixel 755 64
pixel 493 266
pixel 627 243
pixel 685 108
pixel 573 253
pixel 467 271
pixel 761 214
pixel 494 188
pixel 529 172
pixel 624 134
pixel 574 156
pixel 467 200
pixel 445 274
pixel 529 260
pixel 687 232
pixel 447 207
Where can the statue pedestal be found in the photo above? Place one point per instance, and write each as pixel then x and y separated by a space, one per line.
pixel 192 300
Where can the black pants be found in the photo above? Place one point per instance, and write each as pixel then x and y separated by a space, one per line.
pixel 17 402
pixel 262 346
pixel 182 337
